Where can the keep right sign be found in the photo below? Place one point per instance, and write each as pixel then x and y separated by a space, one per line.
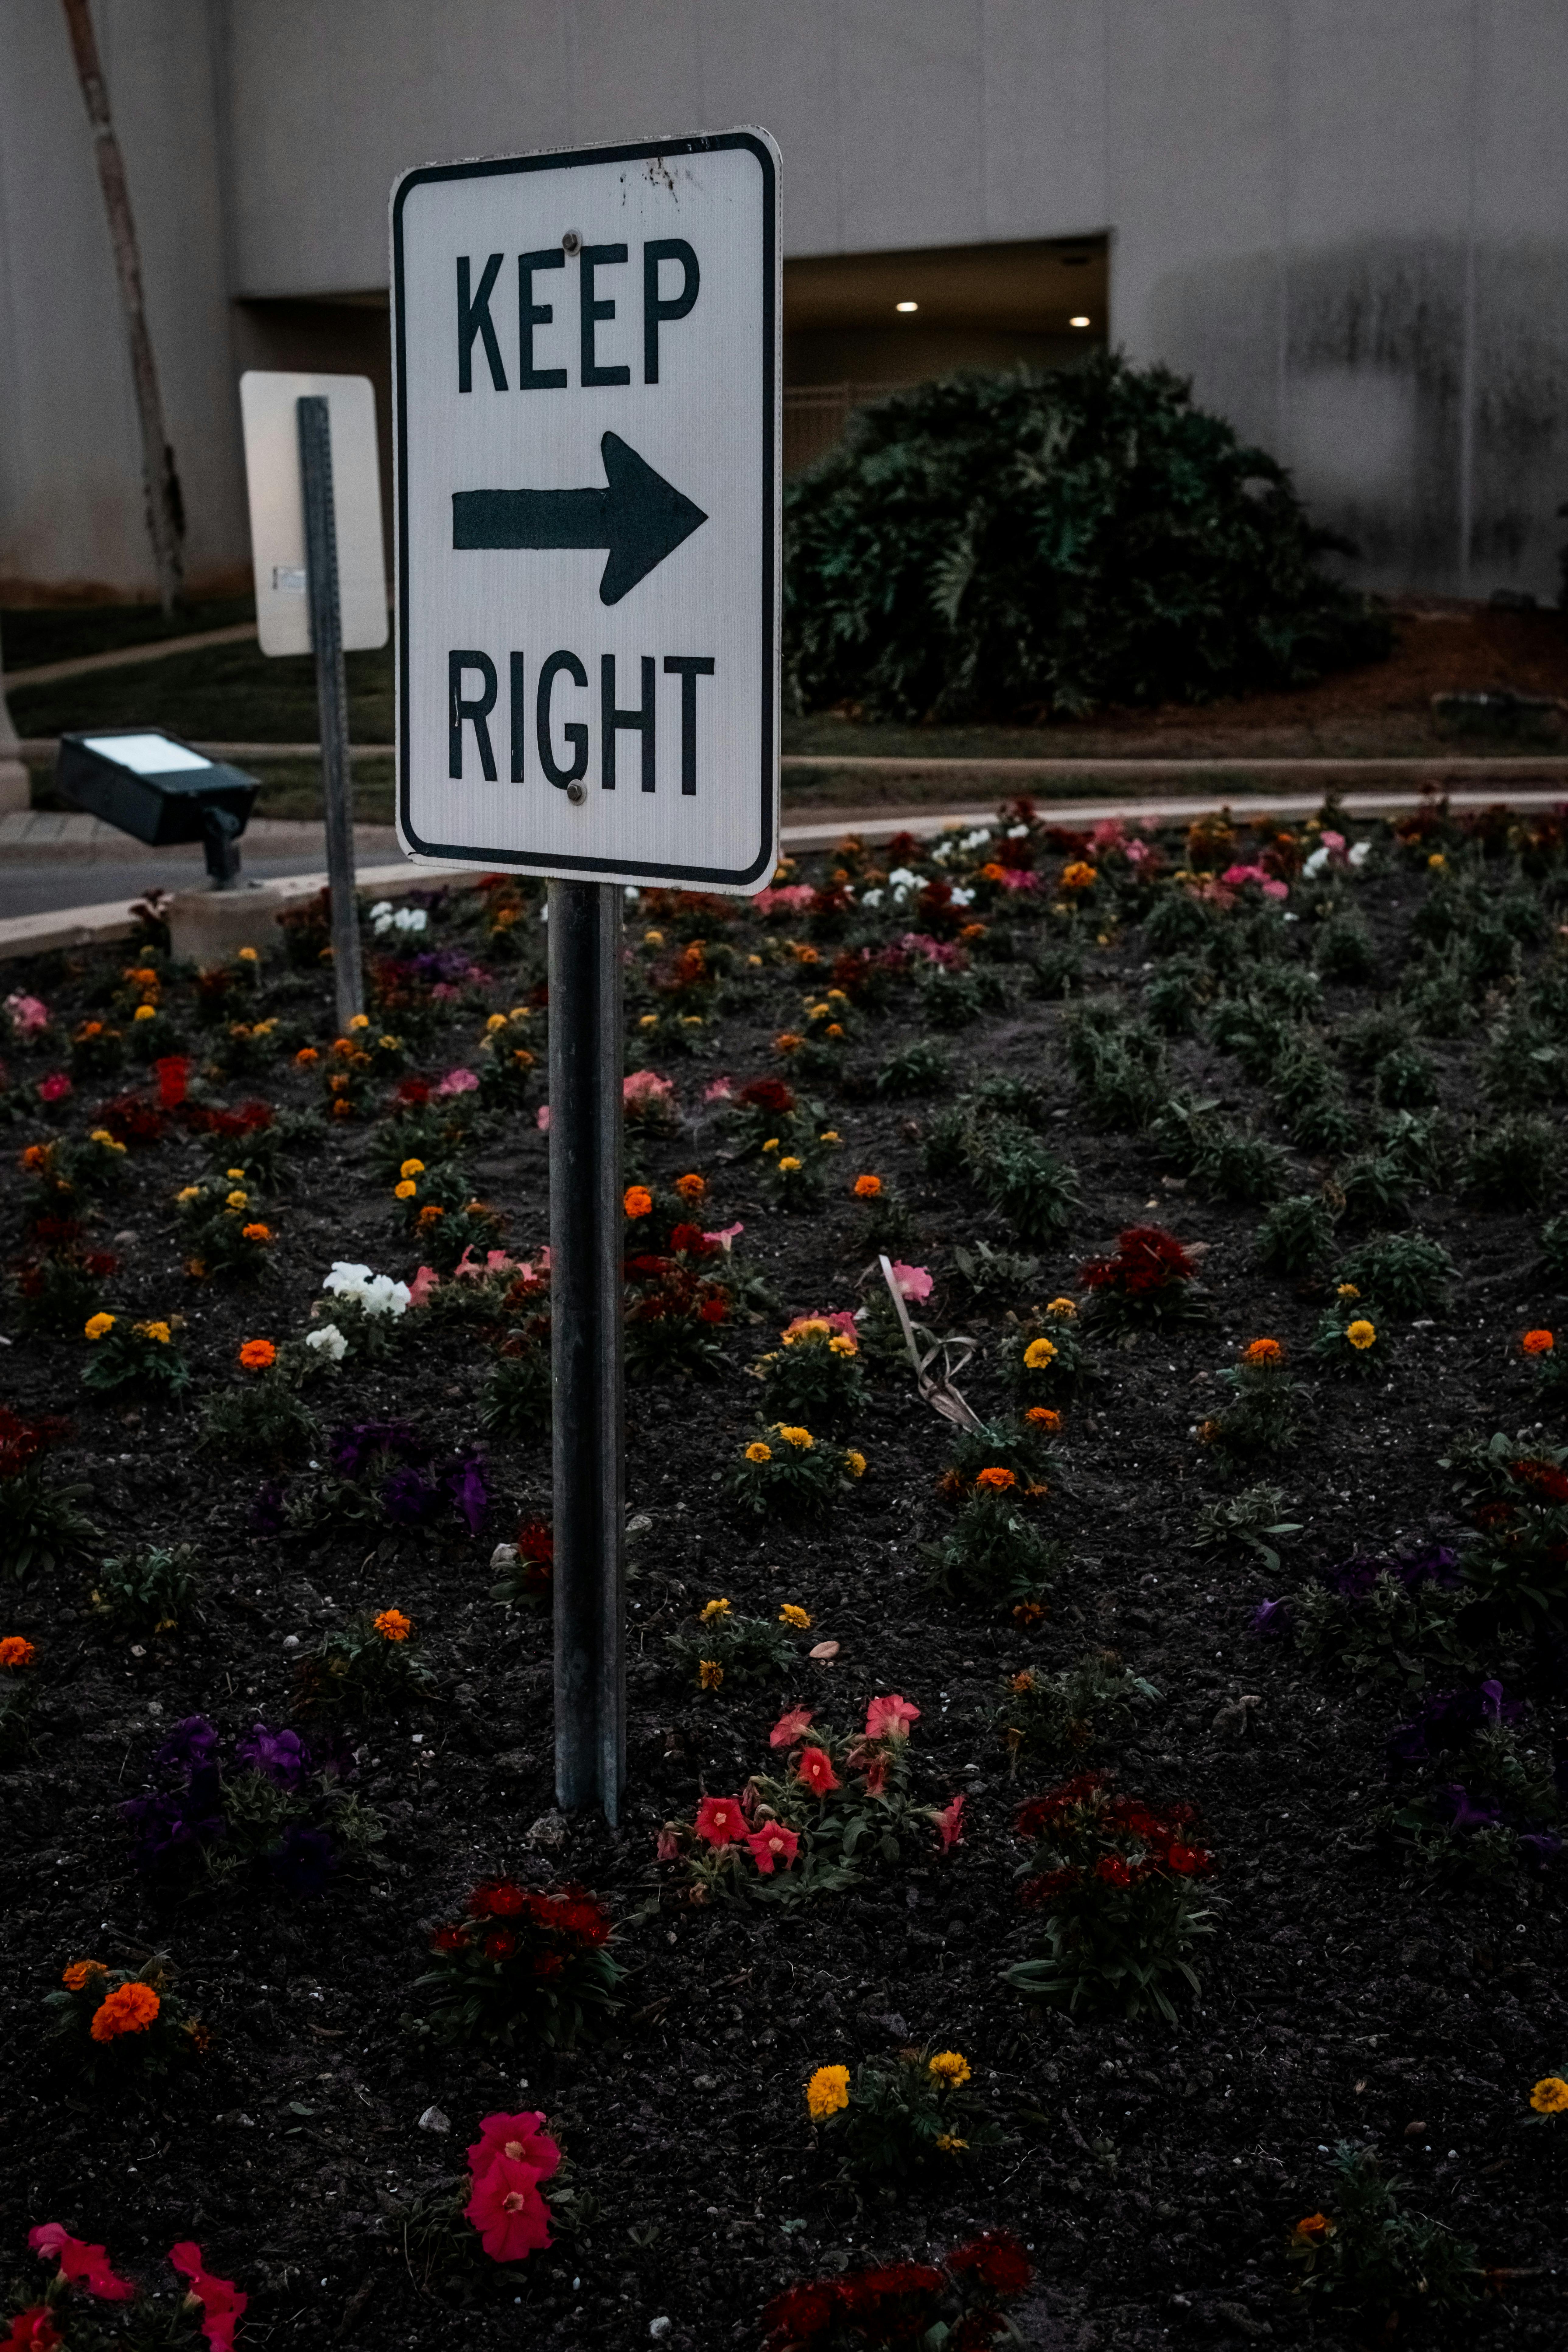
pixel 586 354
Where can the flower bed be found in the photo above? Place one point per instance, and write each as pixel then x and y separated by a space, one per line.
pixel 1094 1854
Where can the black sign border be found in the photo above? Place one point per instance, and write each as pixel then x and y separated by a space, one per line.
pixel 554 160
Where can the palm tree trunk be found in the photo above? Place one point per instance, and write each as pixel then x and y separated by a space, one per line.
pixel 161 483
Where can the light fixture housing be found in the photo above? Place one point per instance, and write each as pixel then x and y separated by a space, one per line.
pixel 906 305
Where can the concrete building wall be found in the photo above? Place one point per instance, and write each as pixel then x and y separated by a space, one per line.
pixel 1347 220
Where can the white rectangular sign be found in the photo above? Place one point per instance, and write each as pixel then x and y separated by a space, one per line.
pixel 587 365
pixel 268 412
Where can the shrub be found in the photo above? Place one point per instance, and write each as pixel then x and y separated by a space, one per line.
pixel 1383 1620
pixel 992 1554
pixel 814 1373
pixel 19 1663
pixel 1514 1164
pixel 1218 1156
pixel 1295 1236
pixel 894 2119
pixel 1502 1816
pixel 1119 1067
pixel 515 1401
pixel 1002 1274
pixel 1261 1417
pixel 1368 2256
pixel 146 1592
pixel 522 1969
pixel 884 1214
pixel 41 1526
pixel 1118 1885
pixel 1036 1192
pixel 900 2304
pixel 1372 1037
pixel 1054 971
pixel 784 1474
pixel 1408 1273
pixel 224 1235
pixel 1021 1446
pixel 727 1649
pixel 111 2026
pixel 1350 1335
pixel 277 1806
pixel 924 576
pixel 527 1566
pixel 917 1069
pixel 381 1476
pixel 951 1000
pixel 1254 1520
pixel 1147 1279
pixel 1344 949
pixel 1173 999
pixel 676 1309
pixel 142 1356
pixel 1517 1490
pixel 1375 1188
pixel 263 1418
pixel 1045 1357
pixel 60 1290
pixel 1405 1081
pixel 1059 1715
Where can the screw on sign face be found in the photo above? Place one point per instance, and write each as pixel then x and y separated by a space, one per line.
pixel 588 511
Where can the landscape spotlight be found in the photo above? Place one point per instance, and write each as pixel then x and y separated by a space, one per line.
pixel 906 305
pixel 159 791
pixel 1081 321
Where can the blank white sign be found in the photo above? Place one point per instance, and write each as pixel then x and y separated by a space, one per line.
pixel 586 358
pixel 267 409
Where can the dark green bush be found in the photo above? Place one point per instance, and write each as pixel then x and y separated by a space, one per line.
pixel 1043 544
pixel 1295 1236
pixel 1409 1273
pixel 1343 950
pixel 1514 1164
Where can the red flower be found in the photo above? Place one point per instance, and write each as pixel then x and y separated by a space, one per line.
pixel 806 2309
pixel 1044 1889
pixel 449 1939
pixel 1040 1812
pixel 1112 1870
pixel 690 1240
pixel 89 2265
pixel 950 1822
pixel 548 1964
pixel 771 1844
pixel 766 1094
pixel 506 2209
pixel 223 2305
pixel 1543 1478
pixel 995 2260
pixel 497 1898
pixel 521 2136
pixel 890 1718
pixel 1188 1860
pixel 714 1310
pixel 499 1944
pixel 813 1769
pixel 172 1074
pixel 719 1820
pixel 1146 1258
pixel 32 2331
pixel 786 1730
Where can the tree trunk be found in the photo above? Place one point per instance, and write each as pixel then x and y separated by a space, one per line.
pixel 161 483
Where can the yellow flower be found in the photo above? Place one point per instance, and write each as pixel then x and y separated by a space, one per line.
pixel 246 955
pixel 145 1012
pixel 158 1331
pixel 712 1609
pixel 390 1044
pixel 841 1344
pixel 789 1162
pixel 1347 1290
pixel 412 1168
pixel 1038 1354
pixel 238 1200
pixel 801 1439
pixel 828 1135
pixel 405 1191
pixel 950 2143
pixel 360 1021
pixel 828 2091
pixel 791 1614
pixel 653 938
pixel 771 1144
pixel 856 1465
pixel 191 1192
pixel 1550 2096
pixel 1361 1333
pixel 1064 1309
pixel 497 1021
pixel 648 1021
pixel 810 1327
pixel 100 1135
pixel 235 1175
pixel 710 1672
pixel 758 1452
pixel 949 2067
pixel 1436 861
pixel 98 1325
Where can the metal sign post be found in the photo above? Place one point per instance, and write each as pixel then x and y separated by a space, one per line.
pixel 331 700
pixel 585 384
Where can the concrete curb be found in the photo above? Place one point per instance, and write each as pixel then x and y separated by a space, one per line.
pixel 129 656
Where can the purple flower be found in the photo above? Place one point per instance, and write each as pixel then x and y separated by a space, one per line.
pixel 1448 1719
pixel 1439 1565
pixel 1271 1617
pixel 165 1828
pixel 1454 1806
pixel 280 1757
pixel 188 1746
pixel 409 1499
pixel 466 1485
pixel 1541 1849
pixel 304 1861
pixel 353 1450
pixel 1352 1580
pixel 267 1517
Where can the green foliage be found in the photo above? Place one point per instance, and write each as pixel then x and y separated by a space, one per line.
pixel 1117 1065
pixel 1387 1627
pixel 1518 1490
pixel 1037 1194
pixel 1372 2257
pixel 262 1417
pixel 1372 1037
pixel 523 1971
pixel 1062 1716
pixel 1343 950
pixel 1295 1235
pixel 918 1068
pixel 142 1356
pixel 41 1526
pixel 1460 1845
pixel 367 1668
pixel 992 1554
pixel 1261 1417
pixel 1005 1274
pixel 1515 1162
pixel 146 1592
pixel 1218 1156
pixel 1022 1446
pixel 515 1401
pixel 908 2115
pixel 1254 1520
pixel 785 1472
pixel 722 1648
pixel 951 1000
pixel 993 544
pixel 814 1375
pixel 1375 1188
pixel 1409 1274
pixel 1175 997
pixel 1351 1337
pixel 1554 1247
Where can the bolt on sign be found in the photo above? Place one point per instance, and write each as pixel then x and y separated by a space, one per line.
pixel 586 356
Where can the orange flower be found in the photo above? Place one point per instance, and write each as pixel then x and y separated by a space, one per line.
pixel 129 2009
pixel 429 1213
pixel 691 1188
pixel 393 1625
pixel 1040 1416
pixel 995 1481
pixel 637 1201
pixel 867 1188
pixel 1538 1343
pixel 1262 1352
pixel 257 1233
pixel 15 1649
pixel 80 1973
pixel 1078 876
pixel 257 1355
pixel 1315 2230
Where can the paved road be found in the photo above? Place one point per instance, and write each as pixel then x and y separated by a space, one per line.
pixel 38 889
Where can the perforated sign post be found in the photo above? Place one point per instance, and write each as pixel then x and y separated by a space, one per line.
pixel 587 362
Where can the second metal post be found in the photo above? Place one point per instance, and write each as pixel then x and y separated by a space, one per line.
pixel 586 1225
pixel 331 698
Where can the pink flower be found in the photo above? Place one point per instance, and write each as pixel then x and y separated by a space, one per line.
pixel 542 1118
pixel 647 1087
pixel 814 1770
pixel 1106 834
pixel 1019 877
pixel 506 2209
pixel 1237 875
pixel 790 1728
pixel 459 1082
pixel 668 1843
pixel 1333 840
pixel 771 1844
pixel 719 1090
pixel 890 1718
pixel 793 899
pixel 222 2304
pixel 873 1762
pixel 89 2264
pixel 54 1087
pixel 522 2138
pixel 1135 852
pixel 28 1014
pixel 725 1235
pixel 426 1281
pixel 719 1820
pixel 468 1269
pixel 950 1822
pixel 913 1281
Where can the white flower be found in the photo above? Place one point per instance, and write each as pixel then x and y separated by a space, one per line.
pixel 384 1297
pixel 381 906
pixel 872 898
pixel 328 1340
pixel 962 898
pixel 1360 852
pixel 903 878
pixel 944 849
pixel 1017 833
pixel 976 840
pixel 346 1281
pixel 1315 864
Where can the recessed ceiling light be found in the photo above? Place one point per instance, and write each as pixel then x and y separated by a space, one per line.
pixel 1081 321
pixel 906 305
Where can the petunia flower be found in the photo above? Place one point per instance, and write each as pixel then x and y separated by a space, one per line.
pixel 948 1822
pixel 912 1282
pixel 80 2264
pixel 719 1820
pixel 890 1718
pixel 521 2138
pixel 223 2305
pixel 506 2209
pixel 813 1769
pixel 790 1728
pixel 771 1844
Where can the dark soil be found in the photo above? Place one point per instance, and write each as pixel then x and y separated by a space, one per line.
pixel 1154 2172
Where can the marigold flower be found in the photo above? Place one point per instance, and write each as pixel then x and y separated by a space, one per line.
pixel 145 1012
pixel 1078 875
pixel 358 1021
pixel 867 1188
pixel 801 1439
pixel 405 1190
pixel 155 1331
pixel 719 1820
pixel 1038 1354
pixel 131 2007
pixel 98 1326
pixel 15 1649
pixel 1023 1682
pixel 1550 2096
pixel 789 1163
pixel 790 1614
pixel 758 1452
pixel 949 2067
pixel 393 1625
pixel 855 1463
pixel 1065 1310
pixel 638 1201
pixel 1262 1352
pixel 256 1233
pixel 101 1136
pixel 1436 862
pixel 306 1056
pixel 771 1144
pixel 712 1608
pixel 788 1041
pixel 709 1674
pixel 1361 1333
pixel 827 2092
pixel 80 1972
pixel 430 1214
pixel 1315 2230
pixel 246 955
pixel 950 2143
pixel 238 1200
pixel 1347 1290
pixel 995 1481
pixel 257 1355
pixel 412 1168
pixel 692 1187
pixel 1040 1416
pixel 1538 1343
pixel 841 1344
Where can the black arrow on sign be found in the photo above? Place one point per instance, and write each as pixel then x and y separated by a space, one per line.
pixel 638 516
